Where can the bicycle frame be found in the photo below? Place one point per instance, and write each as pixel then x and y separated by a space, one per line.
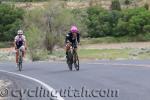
pixel 73 58
pixel 20 59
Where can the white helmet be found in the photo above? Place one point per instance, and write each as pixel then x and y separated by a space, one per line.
pixel 20 32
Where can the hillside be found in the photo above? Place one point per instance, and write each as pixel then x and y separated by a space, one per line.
pixel 104 3
pixel 83 3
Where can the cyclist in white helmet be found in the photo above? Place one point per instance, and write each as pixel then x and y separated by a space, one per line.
pixel 20 42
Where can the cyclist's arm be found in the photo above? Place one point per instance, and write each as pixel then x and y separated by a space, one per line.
pixel 67 37
pixel 25 43
pixel 15 43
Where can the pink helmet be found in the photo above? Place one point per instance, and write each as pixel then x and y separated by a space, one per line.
pixel 74 29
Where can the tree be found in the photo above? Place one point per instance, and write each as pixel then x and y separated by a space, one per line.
pixel 127 3
pixel 146 28
pixel 98 22
pixel 11 19
pixel 146 6
pixel 115 5
pixel 128 22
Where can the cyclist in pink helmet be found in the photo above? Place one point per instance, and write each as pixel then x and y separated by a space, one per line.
pixel 73 37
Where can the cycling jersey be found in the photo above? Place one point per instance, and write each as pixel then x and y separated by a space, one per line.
pixel 20 40
pixel 74 38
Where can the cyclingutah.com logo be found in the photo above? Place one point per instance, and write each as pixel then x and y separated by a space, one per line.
pixel 40 92
pixel 4 92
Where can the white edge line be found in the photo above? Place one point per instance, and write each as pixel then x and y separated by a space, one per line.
pixel 50 89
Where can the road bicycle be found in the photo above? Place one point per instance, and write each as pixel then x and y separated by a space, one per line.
pixel 72 58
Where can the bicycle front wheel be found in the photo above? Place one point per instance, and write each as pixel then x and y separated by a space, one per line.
pixel 70 60
pixel 20 60
pixel 20 66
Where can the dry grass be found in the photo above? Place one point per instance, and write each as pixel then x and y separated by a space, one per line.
pixel 79 4
pixel 30 6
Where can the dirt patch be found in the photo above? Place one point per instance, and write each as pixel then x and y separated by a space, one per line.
pixel 4 83
pixel 7 49
pixel 134 45
pixel 77 5
pixel 102 46
pixel 80 4
pixel 31 6
pixel 139 48
pixel 7 54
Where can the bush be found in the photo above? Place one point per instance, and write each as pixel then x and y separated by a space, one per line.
pixel 39 55
pixel 6 44
pixel 35 34
pixel 146 5
pixel 96 24
pixel 146 28
pixel 35 43
pixel 10 21
pixel 115 5
pixel 101 22
pixel 79 17
pixel 127 2
pixel 59 21
pixel 129 22
pixel 121 28
pixel 146 36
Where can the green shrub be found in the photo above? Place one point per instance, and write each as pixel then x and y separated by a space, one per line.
pixel 127 2
pixel 121 28
pixel 39 55
pixel 129 22
pixel 35 43
pixel 146 28
pixel 146 5
pixel 101 22
pixel 146 36
pixel 10 21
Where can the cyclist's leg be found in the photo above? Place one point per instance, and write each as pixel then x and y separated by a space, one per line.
pixel 75 51
pixel 23 54
pixel 17 54
pixel 67 49
pixel 23 50
pixel 75 47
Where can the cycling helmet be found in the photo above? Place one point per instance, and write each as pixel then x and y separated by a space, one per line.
pixel 74 29
pixel 20 32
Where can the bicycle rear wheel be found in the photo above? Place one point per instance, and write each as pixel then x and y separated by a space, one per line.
pixel 76 61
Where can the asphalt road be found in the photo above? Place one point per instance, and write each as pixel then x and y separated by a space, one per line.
pixel 97 80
